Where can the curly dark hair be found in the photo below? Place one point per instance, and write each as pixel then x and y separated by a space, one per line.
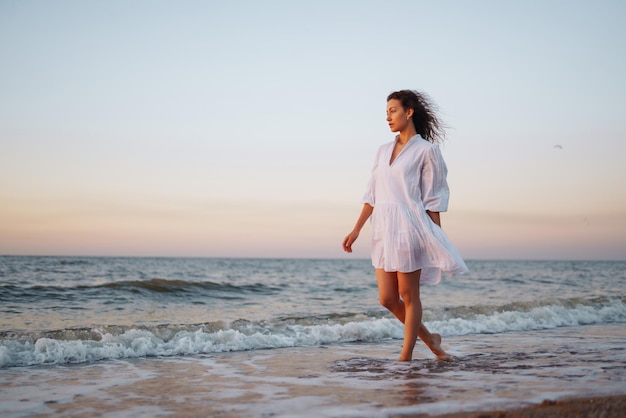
pixel 426 122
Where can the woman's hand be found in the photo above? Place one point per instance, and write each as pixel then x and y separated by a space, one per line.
pixel 366 212
pixel 349 240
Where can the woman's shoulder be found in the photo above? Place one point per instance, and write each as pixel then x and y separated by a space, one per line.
pixel 386 146
pixel 420 141
pixel 420 146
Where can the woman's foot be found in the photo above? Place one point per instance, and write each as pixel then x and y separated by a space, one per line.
pixel 435 347
pixel 404 358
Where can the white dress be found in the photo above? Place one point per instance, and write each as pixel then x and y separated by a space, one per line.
pixel 404 237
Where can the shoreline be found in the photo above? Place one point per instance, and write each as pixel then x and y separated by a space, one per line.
pixel 613 406
pixel 564 372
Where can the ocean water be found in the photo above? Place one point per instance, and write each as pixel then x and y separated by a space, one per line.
pixel 56 310
pixel 62 316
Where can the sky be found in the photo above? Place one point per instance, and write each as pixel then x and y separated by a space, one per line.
pixel 249 128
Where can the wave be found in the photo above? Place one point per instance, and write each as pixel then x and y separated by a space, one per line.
pixel 528 316
pixel 174 286
pixel 114 342
pixel 152 286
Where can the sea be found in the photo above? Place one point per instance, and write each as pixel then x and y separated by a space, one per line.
pixel 107 336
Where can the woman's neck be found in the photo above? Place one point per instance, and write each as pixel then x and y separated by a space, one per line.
pixel 406 134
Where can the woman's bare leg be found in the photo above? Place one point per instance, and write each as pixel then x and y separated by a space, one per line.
pixel 389 296
pixel 409 289
pixel 433 341
pixel 388 293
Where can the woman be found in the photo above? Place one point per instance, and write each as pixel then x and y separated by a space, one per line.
pixel 408 188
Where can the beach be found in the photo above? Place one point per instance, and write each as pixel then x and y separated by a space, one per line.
pixel 151 337
pixel 495 373
pixel 604 407
pixel 599 407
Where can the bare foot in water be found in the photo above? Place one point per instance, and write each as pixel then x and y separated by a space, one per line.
pixel 435 347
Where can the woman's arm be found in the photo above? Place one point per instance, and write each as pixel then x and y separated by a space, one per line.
pixel 366 212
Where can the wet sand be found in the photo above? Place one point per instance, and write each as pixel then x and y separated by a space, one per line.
pixel 564 372
pixel 598 407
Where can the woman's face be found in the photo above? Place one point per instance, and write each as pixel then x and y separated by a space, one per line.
pixel 397 118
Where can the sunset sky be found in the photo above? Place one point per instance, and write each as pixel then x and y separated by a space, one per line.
pixel 249 128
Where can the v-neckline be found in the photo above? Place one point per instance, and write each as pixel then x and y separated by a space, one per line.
pixel 401 151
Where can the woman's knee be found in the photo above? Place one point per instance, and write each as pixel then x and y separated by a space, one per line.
pixel 410 295
pixel 389 301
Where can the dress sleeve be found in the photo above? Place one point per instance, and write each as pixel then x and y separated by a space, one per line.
pixel 369 196
pixel 433 183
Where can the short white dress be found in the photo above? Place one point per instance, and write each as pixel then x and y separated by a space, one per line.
pixel 404 237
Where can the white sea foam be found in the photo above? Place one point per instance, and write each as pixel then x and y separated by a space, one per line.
pixel 542 317
pixel 144 343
